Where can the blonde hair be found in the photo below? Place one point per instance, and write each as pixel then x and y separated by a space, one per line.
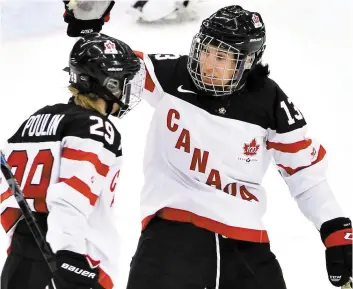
pixel 85 101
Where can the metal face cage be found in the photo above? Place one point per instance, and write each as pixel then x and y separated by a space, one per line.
pixel 131 92
pixel 215 66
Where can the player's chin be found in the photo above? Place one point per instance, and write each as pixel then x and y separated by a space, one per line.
pixel 208 80
pixel 212 81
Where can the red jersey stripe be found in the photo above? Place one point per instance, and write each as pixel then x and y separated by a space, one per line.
pixel 9 218
pixel 290 147
pixel 81 187
pixel 292 171
pixel 259 236
pixel 5 195
pixel 79 155
pixel 104 280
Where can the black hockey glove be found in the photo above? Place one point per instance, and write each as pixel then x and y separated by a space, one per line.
pixel 337 237
pixel 73 272
pixel 85 17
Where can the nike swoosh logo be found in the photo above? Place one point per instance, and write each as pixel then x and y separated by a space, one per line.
pixel 180 89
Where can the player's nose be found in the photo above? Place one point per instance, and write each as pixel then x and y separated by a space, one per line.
pixel 209 65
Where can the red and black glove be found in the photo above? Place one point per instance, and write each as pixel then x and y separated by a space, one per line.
pixel 73 272
pixel 337 237
pixel 85 17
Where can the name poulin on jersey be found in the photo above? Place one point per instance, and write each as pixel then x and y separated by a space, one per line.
pixel 42 124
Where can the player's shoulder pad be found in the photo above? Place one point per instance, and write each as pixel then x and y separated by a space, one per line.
pixel 53 123
pixel 87 124
pixel 162 68
pixel 287 115
pixel 44 125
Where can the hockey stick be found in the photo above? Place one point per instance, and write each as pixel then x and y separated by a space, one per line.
pixel 47 253
pixel 348 285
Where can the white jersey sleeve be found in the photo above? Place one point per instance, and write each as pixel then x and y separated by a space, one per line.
pixel 84 165
pixel 302 162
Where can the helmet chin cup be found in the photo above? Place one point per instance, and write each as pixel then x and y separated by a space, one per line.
pixel 113 85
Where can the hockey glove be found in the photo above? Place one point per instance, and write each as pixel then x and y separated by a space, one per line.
pixel 337 237
pixel 85 17
pixel 73 272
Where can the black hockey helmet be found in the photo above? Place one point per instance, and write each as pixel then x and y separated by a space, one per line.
pixel 235 31
pixel 101 66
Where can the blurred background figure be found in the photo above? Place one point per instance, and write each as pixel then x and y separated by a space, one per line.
pixel 164 11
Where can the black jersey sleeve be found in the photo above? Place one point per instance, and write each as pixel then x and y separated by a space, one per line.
pixel 286 115
pixel 300 159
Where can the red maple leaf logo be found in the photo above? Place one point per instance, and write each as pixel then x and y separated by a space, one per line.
pixel 255 18
pixel 109 45
pixel 251 148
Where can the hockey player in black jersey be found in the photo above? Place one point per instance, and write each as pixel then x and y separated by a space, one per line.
pixel 219 120
pixel 67 160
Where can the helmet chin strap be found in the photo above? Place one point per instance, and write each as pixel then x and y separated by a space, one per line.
pixel 110 99
pixel 109 107
pixel 114 91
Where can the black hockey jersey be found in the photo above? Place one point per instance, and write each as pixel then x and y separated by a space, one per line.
pixel 206 156
pixel 67 160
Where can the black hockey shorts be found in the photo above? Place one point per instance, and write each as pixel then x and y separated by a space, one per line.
pixel 25 267
pixel 176 255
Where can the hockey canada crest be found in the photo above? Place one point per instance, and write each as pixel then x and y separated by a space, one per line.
pixel 110 47
pixel 251 148
pixel 256 21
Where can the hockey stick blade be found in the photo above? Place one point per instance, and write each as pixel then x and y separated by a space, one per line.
pixel 27 213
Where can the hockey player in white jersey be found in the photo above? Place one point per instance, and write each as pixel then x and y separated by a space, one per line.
pixel 219 121
pixel 67 159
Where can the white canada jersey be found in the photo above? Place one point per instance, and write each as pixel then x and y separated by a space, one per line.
pixel 206 157
pixel 67 161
